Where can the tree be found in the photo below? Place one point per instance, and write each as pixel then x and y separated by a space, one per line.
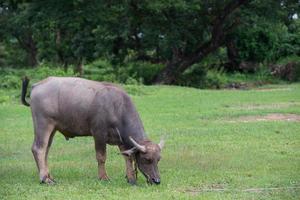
pixel 173 33
pixel 69 28
pixel 217 30
pixel 178 33
pixel 263 33
pixel 181 33
pixel 16 22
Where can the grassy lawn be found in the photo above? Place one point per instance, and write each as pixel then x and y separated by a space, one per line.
pixel 209 153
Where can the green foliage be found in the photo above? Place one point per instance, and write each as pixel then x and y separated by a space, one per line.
pixel 288 68
pixel 134 89
pixel 11 54
pixel 296 75
pixel 215 79
pixel 132 35
pixel 194 77
pixel 100 70
pixel 258 43
pixel 288 59
pixel 44 71
pixel 129 73
pixel 143 71
pixel 4 98
pixel 290 40
pixel 11 78
pixel 267 38
pixel 201 76
pixel 10 82
pixel 261 76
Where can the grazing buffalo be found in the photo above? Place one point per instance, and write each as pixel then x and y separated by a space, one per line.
pixel 80 107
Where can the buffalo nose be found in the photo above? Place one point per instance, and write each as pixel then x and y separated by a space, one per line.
pixel 156 180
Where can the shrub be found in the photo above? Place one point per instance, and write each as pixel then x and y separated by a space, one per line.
pixel 11 78
pixel 10 81
pixel 143 71
pixel 129 73
pixel 215 79
pixel 4 98
pixel 135 90
pixel 194 76
pixel 200 76
pixel 287 68
pixel 100 70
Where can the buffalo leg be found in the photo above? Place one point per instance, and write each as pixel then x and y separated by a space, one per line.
pixel 47 152
pixel 130 171
pixel 101 157
pixel 43 133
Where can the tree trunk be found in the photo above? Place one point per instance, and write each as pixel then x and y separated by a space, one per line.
pixel 27 43
pixel 171 73
pixel 79 67
pixel 32 56
pixel 65 66
pixel 173 69
pixel 168 75
pixel 232 54
pixel 31 50
pixel 59 49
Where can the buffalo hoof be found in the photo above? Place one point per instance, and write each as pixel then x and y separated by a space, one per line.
pixel 131 181
pixel 104 178
pixel 47 180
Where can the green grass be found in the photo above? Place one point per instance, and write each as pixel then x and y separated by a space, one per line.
pixel 203 149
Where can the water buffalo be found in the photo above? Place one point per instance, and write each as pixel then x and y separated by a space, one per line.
pixel 80 107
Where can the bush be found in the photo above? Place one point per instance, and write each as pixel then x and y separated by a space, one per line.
pixel 10 81
pixel 44 71
pixel 201 77
pixel 100 70
pixel 290 40
pixel 215 79
pixel 287 68
pixel 194 76
pixel 129 73
pixel 135 90
pixel 143 71
pixel 4 98
pixel 11 78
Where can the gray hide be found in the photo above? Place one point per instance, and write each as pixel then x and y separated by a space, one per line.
pixel 80 107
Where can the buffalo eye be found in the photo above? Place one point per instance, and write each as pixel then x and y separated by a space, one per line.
pixel 148 160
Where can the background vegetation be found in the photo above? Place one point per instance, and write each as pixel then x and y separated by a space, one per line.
pixel 211 152
pixel 193 43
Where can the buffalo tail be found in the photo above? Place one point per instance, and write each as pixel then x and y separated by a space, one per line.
pixel 25 82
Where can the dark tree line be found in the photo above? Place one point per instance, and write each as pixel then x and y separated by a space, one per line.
pixel 177 33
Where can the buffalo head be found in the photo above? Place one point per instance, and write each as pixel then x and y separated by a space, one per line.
pixel 147 156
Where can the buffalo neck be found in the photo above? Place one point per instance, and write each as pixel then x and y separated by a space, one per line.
pixel 132 126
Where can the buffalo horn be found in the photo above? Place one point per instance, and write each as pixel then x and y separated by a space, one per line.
pixel 141 148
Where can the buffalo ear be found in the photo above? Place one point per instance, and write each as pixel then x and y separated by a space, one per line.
pixel 129 152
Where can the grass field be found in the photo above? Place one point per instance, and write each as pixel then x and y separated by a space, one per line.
pixel 210 151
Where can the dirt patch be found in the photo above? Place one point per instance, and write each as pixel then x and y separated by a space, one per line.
pixel 256 86
pixel 195 191
pixel 265 106
pixel 272 89
pixel 269 117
